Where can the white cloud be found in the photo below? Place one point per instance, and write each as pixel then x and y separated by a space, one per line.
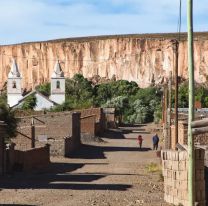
pixel 33 20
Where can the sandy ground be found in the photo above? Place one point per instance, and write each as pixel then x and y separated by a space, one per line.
pixel 110 173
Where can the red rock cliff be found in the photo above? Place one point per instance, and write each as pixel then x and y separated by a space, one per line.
pixel 141 58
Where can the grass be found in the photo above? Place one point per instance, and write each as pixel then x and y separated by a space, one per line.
pixel 153 167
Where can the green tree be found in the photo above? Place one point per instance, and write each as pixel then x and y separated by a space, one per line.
pixel 120 103
pixel 79 91
pixel 7 115
pixel 44 89
pixel 29 102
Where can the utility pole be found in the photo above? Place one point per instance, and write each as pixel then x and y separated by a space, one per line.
pixel 32 133
pixel 176 91
pixel 165 91
pixel 170 107
pixel 191 173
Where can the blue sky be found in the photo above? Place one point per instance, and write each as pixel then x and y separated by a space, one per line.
pixel 35 20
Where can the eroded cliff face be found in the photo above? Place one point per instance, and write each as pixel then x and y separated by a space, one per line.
pixel 134 58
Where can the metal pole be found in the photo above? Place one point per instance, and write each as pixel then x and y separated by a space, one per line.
pixel 170 107
pixel 191 173
pixel 176 92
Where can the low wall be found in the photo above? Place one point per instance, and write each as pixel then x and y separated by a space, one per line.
pixel 2 147
pixel 88 128
pixel 62 147
pixel 201 139
pixel 28 160
pixel 206 174
pixel 175 172
pixel 99 118
pixel 50 129
pixel 110 117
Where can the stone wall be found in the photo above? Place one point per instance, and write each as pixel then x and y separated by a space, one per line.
pixel 175 172
pixel 28 160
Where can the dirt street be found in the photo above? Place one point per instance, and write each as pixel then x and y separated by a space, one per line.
pixel 109 173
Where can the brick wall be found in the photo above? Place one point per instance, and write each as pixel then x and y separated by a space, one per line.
pixel 201 139
pixel 206 174
pixel 100 119
pixel 175 172
pixel 28 160
pixel 110 117
pixel 88 125
pixel 2 146
pixel 54 129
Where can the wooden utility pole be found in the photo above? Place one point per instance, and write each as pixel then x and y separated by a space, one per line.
pixel 176 91
pixel 165 91
pixel 191 173
pixel 169 108
pixel 32 133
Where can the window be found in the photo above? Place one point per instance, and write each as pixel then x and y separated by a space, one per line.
pixel 58 85
pixel 14 85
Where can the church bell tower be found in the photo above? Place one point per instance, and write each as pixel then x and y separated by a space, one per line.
pixel 14 90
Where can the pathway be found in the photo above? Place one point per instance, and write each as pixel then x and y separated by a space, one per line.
pixel 110 173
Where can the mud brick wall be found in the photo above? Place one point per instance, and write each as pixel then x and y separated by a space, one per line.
pixel 29 160
pixel 175 172
pixel 97 112
pixel 201 139
pixel 99 118
pixel 57 147
pixel 2 133
pixel 55 126
pixel 206 174
pixel 88 125
pixel 110 117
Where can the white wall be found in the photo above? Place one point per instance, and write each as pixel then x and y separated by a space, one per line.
pixel 13 99
pixel 42 103
pixel 58 98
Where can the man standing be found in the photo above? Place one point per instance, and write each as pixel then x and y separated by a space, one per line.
pixel 140 140
pixel 155 140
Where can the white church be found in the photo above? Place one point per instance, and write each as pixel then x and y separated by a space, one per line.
pixel 14 89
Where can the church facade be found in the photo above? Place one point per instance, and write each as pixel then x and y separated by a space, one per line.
pixel 14 89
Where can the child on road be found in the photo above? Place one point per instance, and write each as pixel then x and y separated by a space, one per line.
pixel 140 140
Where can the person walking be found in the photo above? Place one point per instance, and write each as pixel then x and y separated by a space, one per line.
pixel 140 140
pixel 155 140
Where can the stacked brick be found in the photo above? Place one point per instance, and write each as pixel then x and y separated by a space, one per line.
pixel 175 172
pixel 201 139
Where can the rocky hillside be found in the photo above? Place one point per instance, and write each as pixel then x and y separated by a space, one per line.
pixel 146 58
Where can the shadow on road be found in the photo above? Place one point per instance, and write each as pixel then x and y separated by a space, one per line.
pixel 98 152
pixel 58 176
pixel 114 134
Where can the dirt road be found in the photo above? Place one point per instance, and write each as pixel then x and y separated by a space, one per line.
pixel 110 173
